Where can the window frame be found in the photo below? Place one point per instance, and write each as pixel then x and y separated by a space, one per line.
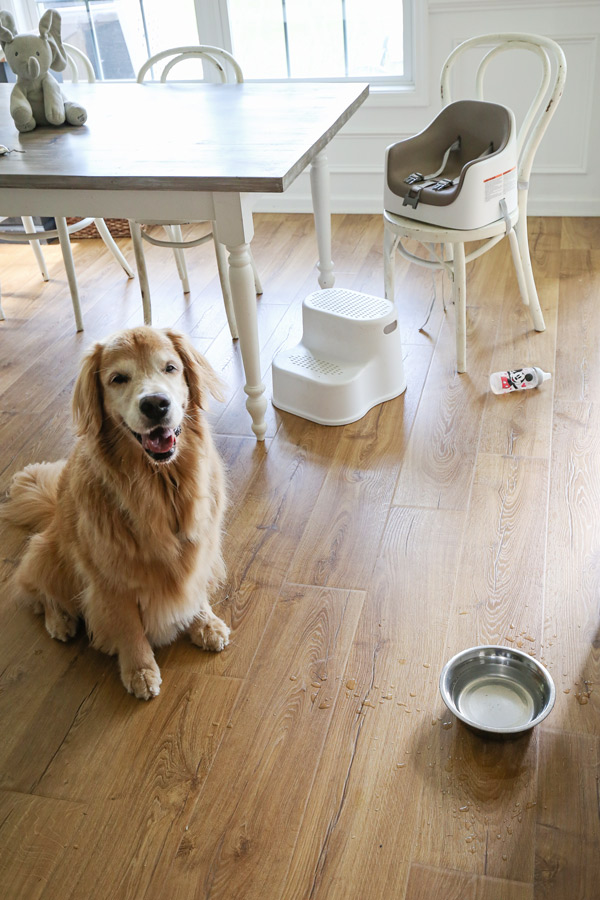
pixel 214 26
pixel 212 19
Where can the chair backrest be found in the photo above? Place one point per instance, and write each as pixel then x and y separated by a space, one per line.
pixel 78 63
pixel 222 61
pixel 535 123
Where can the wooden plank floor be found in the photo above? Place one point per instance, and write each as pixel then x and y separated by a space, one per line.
pixel 314 757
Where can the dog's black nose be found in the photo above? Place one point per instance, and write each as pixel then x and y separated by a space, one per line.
pixel 155 406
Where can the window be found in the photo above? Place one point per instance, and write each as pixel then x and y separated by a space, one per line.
pixel 307 39
pixel 120 35
pixel 272 39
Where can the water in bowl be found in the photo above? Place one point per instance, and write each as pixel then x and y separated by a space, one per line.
pixel 497 701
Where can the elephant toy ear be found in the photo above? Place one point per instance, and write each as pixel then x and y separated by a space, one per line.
pixel 50 29
pixel 8 28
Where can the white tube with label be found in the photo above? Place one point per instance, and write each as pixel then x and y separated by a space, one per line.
pixel 518 379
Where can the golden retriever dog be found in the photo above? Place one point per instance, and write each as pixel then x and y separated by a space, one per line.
pixel 129 526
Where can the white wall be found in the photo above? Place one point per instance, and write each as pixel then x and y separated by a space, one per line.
pixel 566 174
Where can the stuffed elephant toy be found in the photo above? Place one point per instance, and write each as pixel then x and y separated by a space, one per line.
pixel 36 98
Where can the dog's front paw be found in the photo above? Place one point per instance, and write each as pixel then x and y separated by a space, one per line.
pixel 210 634
pixel 59 624
pixel 143 682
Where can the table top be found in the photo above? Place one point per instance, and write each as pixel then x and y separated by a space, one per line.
pixel 180 136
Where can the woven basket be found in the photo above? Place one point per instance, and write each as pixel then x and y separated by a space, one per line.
pixel 119 228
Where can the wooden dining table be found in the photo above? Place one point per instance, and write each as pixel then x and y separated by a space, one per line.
pixel 185 152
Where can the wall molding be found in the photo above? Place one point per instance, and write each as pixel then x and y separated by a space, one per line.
pixel 351 204
pixel 484 6
pixel 357 169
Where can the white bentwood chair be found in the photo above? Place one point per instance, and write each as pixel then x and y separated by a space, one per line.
pixel 75 58
pixel 532 129
pixel 227 70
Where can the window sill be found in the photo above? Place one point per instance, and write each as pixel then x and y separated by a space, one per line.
pixel 394 95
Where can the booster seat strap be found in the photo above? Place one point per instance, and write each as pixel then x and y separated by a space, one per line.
pixel 505 215
pixel 448 182
pixel 453 146
pixel 414 194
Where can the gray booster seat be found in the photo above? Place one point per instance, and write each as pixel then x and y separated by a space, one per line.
pixel 457 171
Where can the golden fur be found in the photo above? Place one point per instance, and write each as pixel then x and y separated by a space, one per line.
pixel 129 542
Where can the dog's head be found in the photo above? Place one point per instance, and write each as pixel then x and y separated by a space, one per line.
pixel 143 381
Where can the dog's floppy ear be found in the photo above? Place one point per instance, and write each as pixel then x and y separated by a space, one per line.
pixel 87 394
pixel 200 376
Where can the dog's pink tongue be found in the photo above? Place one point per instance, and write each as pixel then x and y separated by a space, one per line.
pixel 160 440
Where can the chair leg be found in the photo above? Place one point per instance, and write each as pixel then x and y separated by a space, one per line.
pixel 223 267
pixel 175 234
pixel 176 252
pixel 29 227
pixel 514 246
pixel 110 243
pixel 65 246
pixel 534 303
pixel 140 262
pixel 390 242
pixel 459 295
pixel 172 235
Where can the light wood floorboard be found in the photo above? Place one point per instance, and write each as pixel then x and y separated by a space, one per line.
pixel 314 758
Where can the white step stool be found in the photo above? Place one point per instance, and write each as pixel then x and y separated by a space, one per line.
pixel 349 358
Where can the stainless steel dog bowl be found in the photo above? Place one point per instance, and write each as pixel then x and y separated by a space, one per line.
pixel 497 690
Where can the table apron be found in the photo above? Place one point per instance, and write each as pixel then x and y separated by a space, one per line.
pixel 174 206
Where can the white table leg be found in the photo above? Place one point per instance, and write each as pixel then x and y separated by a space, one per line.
pixel 243 294
pixel 319 186
pixel 234 228
pixel 223 269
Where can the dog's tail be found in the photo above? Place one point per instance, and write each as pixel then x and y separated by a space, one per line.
pixel 32 497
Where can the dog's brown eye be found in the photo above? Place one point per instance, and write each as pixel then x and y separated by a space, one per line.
pixel 170 368
pixel 119 378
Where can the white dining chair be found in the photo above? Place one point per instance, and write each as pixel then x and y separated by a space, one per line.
pixel 504 221
pixel 75 59
pixel 226 69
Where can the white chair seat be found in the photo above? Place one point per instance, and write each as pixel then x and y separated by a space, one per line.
pixel 422 231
